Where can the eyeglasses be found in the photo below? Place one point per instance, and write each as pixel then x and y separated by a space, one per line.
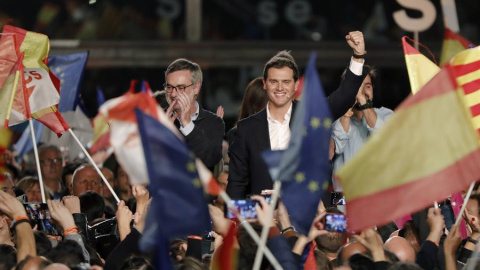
pixel 49 161
pixel 179 88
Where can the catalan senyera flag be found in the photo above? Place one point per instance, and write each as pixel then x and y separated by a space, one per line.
pixel 226 257
pixel 38 95
pixel 5 137
pixel 399 171
pixel 466 67
pixel 453 43
pixel 420 68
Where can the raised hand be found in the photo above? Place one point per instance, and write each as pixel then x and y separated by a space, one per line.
pixel 61 214
pixel 356 42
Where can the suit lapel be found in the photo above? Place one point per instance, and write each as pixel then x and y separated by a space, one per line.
pixel 263 133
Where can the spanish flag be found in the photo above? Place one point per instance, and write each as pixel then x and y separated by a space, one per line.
pixel 426 151
pixel 453 43
pixel 420 68
pixel 38 94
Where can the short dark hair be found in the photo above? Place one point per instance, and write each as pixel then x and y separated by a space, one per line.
pixel 282 59
pixel 8 255
pixel 184 64
pixel 67 252
pixel 92 205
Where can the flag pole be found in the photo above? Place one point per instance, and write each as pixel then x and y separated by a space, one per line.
pixel 251 231
pixel 266 227
pixel 467 197
pixel 37 160
pixel 416 38
pixel 94 165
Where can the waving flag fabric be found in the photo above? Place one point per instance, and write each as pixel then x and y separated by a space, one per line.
pixel 69 69
pixel 175 185
pixel 124 138
pixel 39 93
pixel 398 171
pixel 466 67
pixel 420 68
pixel 453 43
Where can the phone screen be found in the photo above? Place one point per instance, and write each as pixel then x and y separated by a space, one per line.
pixel 40 216
pixel 337 198
pixel 335 222
pixel 246 208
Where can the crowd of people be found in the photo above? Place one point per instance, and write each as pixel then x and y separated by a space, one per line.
pixel 85 227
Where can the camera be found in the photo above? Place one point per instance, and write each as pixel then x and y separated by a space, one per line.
pixel 337 198
pixel 40 215
pixel 246 208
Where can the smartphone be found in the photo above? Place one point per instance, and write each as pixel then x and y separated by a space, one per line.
pixel 335 222
pixel 246 208
pixel 337 198
pixel 40 216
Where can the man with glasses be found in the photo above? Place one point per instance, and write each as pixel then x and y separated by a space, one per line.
pixel 51 166
pixel 203 130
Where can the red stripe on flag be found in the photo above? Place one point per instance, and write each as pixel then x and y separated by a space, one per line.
pixel 471 87
pixel 475 109
pixel 450 35
pixel 383 207
pixel 461 70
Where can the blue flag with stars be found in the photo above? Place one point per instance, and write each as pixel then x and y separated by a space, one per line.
pixel 175 186
pixel 69 70
pixel 304 166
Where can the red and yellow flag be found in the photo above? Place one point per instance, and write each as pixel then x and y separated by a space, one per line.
pixel 453 43
pixel 425 152
pixel 38 94
pixel 420 68
pixel 466 67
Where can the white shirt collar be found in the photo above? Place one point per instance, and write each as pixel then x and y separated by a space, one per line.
pixel 286 117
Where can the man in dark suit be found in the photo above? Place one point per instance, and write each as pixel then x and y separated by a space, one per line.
pixel 202 129
pixel 270 128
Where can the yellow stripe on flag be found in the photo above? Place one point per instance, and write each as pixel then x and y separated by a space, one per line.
pixel 420 70
pixel 469 77
pixel 36 47
pixel 472 99
pixel 44 111
pixel 466 57
pixel 5 136
pixel 395 155
pixel 476 122
pixel 449 49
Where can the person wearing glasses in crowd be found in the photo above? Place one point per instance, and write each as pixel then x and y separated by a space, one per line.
pixel 51 166
pixel 203 130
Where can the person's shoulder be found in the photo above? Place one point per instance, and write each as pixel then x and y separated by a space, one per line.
pixel 253 119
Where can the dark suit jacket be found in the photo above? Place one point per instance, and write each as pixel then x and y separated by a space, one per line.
pixel 206 138
pixel 248 172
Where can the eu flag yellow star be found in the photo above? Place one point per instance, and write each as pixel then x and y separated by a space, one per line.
pixel 58 70
pixel 313 186
pixel 299 177
pixel 191 166
pixel 327 123
pixel 325 185
pixel 197 183
pixel 315 122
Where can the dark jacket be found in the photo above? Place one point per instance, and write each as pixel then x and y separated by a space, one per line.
pixel 206 138
pixel 248 172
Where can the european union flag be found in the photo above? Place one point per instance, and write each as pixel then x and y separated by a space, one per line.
pixel 304 166
pixel 69 70
pixel 177 191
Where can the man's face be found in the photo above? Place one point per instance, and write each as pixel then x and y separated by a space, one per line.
pixel 178 82
pixel 366 88
pixel 86 179
pixel 109 176
pixel 51 165
pixel 280 86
